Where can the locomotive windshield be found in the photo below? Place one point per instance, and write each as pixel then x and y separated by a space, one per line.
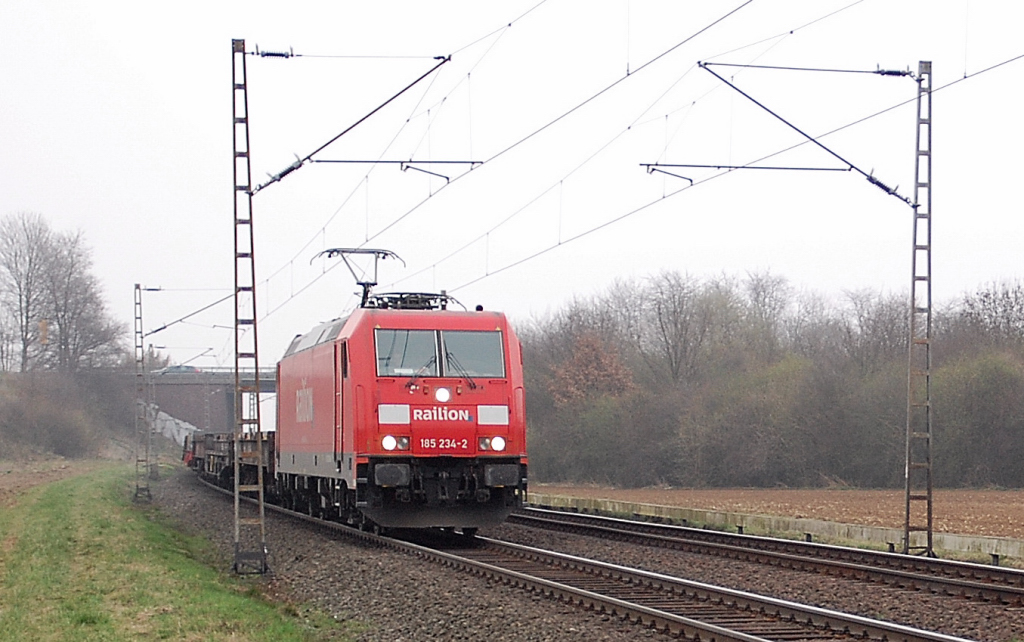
pixel 406 353
pixel 414 353
pixel 473 354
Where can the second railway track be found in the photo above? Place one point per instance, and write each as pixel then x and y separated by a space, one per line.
pixel 944 577
pixel 675 606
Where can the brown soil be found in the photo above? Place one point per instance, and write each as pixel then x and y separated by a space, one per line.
pixel 997 513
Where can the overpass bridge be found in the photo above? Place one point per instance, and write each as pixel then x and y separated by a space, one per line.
pixel 205 398
pixel 176 376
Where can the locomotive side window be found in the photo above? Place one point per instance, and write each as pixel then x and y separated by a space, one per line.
pixel 473 354
pixel 406 353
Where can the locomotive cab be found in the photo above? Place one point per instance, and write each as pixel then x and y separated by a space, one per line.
pixel 450 433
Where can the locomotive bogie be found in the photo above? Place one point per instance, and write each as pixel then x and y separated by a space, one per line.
pixel 317 496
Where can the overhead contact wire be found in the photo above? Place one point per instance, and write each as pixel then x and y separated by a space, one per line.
pixel 713 177
pixel 620 80
pixel 788 32
pixel 501 28
pixel 633 124
pixel 501 31
pixel 302 161
pixel 323 228
pixel 189 315
pixel 549 189
pixel 562 116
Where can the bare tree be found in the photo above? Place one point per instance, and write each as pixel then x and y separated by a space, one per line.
pixel 84 332
pixel 676 323
pixel 8 334
pixel 768 296
pixel 878 332
pixel 53 313
pixel 683 320
pixel 624 302
pixel 996 312
pixel 24 250
pixel 815 330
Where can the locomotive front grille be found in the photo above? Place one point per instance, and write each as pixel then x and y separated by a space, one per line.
pixel 501 475
pixel 392 474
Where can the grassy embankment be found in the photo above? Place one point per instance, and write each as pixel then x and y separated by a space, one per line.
pixel 79 561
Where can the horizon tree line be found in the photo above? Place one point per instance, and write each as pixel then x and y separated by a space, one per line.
pixel 725 381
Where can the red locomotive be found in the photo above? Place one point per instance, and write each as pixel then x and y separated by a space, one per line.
pixel 402 415
pixel 410 417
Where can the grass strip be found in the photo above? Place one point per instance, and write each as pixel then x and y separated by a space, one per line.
pixel 79 561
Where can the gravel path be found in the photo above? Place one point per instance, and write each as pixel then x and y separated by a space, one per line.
pixel 400 598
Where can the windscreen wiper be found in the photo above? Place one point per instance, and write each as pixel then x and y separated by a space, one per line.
pixel 454 361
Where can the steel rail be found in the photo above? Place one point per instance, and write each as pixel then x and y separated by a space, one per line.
pixel 818 623
pixel 962 579
pixel 523 566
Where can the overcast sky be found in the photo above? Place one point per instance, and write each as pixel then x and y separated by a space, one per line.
pixel 116 121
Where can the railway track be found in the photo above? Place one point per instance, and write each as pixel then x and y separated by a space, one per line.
pixel 944 577
pixel 674 606
pixel 682 608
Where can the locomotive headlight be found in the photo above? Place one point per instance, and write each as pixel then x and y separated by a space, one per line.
pixel 403 443
pixel 442 395
pixel 496 444
pixel 389 442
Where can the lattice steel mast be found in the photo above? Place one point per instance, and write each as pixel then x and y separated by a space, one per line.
pixel 918 472
pixel 918 469
pixel 250 532
pixel 143 427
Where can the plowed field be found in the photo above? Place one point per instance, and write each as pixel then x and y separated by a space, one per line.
pixel 997 513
